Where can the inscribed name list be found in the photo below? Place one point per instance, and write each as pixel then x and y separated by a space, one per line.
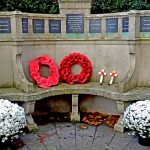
pixel 75 23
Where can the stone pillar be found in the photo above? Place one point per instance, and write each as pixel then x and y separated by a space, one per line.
pixel 131 79
pixel 29 109
pixel 30 28
pixel 20 80
pixel 121 105
pixel 63 26
pixel 46 26
pixel 119 27
pixel 16 25
pixel 134 24
pixel 75 113
pixel 103 27
pixel 75 6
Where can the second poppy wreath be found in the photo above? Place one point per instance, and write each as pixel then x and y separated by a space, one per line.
pixel 73 59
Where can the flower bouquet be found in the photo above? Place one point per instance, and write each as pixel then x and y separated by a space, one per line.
pixel 12 119
pixel 137 118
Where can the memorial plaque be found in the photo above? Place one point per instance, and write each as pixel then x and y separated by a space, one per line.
pixel 112 25
pixel 54 26
pixel 145 24
pixel 24 25
pixel 5 25
pixel 75 23
pixel 95 25
pixel 125 24
pixel 38 25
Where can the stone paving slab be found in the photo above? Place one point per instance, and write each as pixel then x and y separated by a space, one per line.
pixel 135 145
pixel 84 137
pixel 51 136
pixel 70 136
pixel 103 137
pixel 66 134
pixel 24 148
pixel 32 143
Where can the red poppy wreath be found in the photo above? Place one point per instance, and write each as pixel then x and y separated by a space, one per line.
pixel 34 67
pixel 68 62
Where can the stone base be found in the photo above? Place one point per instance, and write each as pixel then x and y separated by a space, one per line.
pixel 32 127
pixel 75 117
pixel 29 109
pixel 119 126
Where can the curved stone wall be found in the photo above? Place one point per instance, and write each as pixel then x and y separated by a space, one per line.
pixel 115 41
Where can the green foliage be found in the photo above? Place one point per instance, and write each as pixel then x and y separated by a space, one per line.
pixel 108 6
pixel 33 6
pixel 51 6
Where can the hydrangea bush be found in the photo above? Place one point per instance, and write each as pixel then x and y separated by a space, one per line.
pixel 12 119
pixel 137 118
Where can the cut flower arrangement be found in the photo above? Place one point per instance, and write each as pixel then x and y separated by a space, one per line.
pixel 137 118
pixel 12 120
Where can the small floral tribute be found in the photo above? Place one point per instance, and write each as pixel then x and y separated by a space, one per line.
pixel 102 73
pixel 12 120
pixel 137 118
pixel 68 62
pixel 34 67
pixel 113 74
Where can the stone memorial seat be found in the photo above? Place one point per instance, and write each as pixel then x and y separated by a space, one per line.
pixel 122 99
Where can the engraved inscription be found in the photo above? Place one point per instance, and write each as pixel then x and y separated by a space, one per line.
pixel 54 26
pixel 38 25
pixel 5 25
pixel 112 25
pixel 75 23
pixel 145 24
pixel 125 24
pixel 95 26
pixel 24 25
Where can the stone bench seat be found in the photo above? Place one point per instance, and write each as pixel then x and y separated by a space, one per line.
pixel 91 88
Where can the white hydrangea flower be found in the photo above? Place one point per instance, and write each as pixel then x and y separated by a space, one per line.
pixel 137 118
pixel 12 119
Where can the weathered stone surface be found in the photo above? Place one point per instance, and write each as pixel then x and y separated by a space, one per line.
pixel 31 140
pixel 84 137
pixel 92 88
pixel 120 141
pixel 122 100
pixel 127 53
pixel 24 148
pixel 103 137
pixel 52 141
pixel 68 136
pixel 135 145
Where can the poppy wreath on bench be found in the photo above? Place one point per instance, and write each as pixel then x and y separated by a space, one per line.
pixel 68 62
pixel 34 67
